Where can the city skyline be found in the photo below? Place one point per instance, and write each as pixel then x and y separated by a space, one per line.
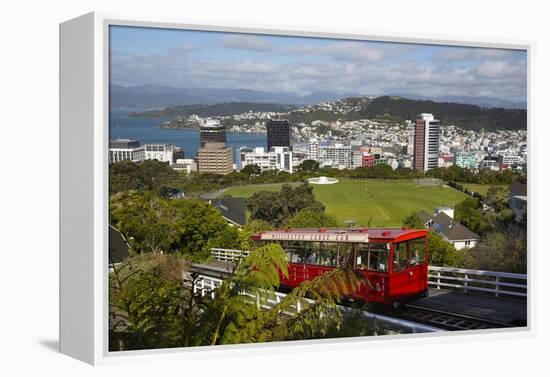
pixel 301 66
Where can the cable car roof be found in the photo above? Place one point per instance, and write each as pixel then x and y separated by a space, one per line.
pixel 342 234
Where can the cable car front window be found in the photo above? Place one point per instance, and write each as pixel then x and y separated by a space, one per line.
pixel 418 251
pixel 400 256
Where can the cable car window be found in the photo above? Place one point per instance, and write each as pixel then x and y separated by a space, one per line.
pixel 312 252
pixel 294 251
pixel 327 255
pixel 400 256
pixel 372 257
pixel 345 255
pixel 418 251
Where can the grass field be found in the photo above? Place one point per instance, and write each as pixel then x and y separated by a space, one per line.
pixel 382 203
pixel 482 189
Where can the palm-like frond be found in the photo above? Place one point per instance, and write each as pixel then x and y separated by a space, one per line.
pixel 309 311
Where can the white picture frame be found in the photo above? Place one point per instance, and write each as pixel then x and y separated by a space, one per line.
pixel 84 54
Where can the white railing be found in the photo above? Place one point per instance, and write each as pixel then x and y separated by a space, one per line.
pixel 207 285
pixel 228 255
pixel 495 283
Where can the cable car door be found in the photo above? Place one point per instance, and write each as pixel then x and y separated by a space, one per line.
pixel 402 280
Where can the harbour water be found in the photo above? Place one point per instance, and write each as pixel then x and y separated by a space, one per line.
pixel 149 131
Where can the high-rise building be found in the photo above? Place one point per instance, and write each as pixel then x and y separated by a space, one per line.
pixel 215 158
pixel 313 149
pixel 336 155
pixel 278 133
pixel 426 142
pixel 212 131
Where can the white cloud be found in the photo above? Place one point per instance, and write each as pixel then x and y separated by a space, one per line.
pixel 246 42
pixel 460 54
pixel 351 67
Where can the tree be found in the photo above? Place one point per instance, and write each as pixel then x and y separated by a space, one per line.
pixel 317 299
pixel 469 213
pixel 144 296
pixel 505 252
pixel 251 170
pixel 152 175
pixel 308 218
pixel 186 227
pixel 277 207
pixel 230 316
pixel 413 221
pixel 145 220
pixel 308 166
pixel 497 197
pixel 257 226
pixel 441 252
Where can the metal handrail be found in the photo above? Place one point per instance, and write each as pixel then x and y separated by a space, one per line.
pixel 463 279
pixel 207 286
pixel 478 281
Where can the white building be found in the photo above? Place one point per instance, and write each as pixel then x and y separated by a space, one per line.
pixel 313 150
pixel 160 152
pixel 504 159
pixel 123 149
pixel 335 155
pixel 489 164
pixel 278 158
pixel 453 232
pixel 187 165
pixel 426 142
pixel 357 158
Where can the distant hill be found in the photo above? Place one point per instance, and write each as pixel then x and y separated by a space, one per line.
pixel 219 109
pixel 470 117
pixel 147 97
pixel 392 109
pixel 481 101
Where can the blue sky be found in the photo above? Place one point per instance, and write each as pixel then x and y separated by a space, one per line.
pixel 198 59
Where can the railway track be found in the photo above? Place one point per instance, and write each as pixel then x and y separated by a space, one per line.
pixel 445 320
pixel 408 312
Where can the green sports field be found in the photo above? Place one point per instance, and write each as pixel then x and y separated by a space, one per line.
pixel 372 202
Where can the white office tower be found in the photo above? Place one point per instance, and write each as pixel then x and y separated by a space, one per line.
pixel 278 158
pixel 335 155
pixel 313 150
pixel 426 142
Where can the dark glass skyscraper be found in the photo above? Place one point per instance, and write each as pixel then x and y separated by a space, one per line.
pixel 212 131
pixel 278 133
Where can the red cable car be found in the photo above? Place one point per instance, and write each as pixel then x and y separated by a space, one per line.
pixel 394 261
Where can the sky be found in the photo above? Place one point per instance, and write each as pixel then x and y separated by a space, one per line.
pixel 201 59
